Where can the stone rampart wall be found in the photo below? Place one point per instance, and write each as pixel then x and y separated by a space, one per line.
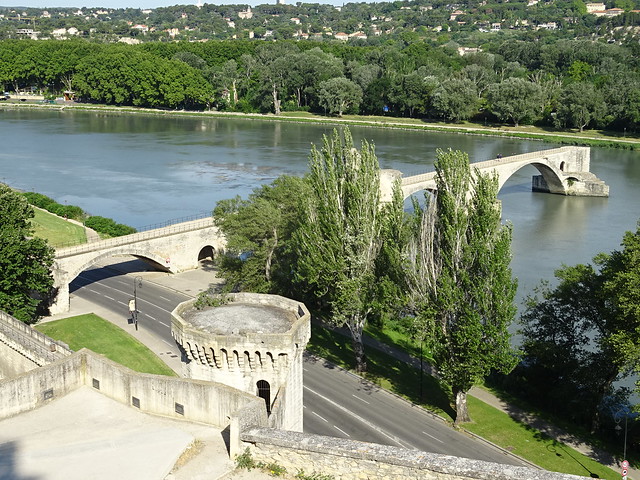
pixel 193 400
pixel 190 400
pixel 36 387
pixel 348 459
pixel 22 348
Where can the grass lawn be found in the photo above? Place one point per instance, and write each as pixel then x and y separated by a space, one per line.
pixel 56 230
pixel 92 332
pixel 529 443
pixel 488 422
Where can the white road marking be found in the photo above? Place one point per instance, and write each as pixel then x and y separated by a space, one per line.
pixel 342 431
pixel 110 298
pixel 164 298
pixel 320 417
pixel 171 345
pixel 431 436
pixel 366 422
pixel 361 399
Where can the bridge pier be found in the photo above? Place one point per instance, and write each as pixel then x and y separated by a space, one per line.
pixel 60 303
pixel 579 187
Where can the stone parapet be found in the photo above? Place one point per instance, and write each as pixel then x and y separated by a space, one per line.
pixel 351 460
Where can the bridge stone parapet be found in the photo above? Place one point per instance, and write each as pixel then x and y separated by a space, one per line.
pixel 173 249
pixel 563 171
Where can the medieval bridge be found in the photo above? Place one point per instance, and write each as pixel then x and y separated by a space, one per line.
pixel 173 249
pixel 563 171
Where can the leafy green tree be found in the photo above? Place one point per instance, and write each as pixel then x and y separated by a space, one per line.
pixel 481 76
pixel 339 237
pixel 515 99
pixel 455 100
pixel 339 94
pixel 460 279
pixel 274 61
pixel 258 230
pixel 25 261
pixel 579 71
pixel 310 68
pixel 579 105
pixel 413 91
pixel 584 334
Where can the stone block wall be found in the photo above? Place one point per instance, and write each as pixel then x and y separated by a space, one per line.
pixel 352 460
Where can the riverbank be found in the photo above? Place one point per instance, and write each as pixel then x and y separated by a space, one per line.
pixel 592 138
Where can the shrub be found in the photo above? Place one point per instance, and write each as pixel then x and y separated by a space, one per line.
pixel 245 460
pixel 39 200
pixel 206 299
pixel 108 226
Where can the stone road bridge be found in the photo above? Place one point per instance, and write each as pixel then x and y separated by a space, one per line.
pixel 563 170
pixel 173 249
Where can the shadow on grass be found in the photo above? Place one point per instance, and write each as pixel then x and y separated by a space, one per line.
pixel 559 449
pixel 566 433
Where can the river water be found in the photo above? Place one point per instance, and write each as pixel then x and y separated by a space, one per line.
pixel 141 170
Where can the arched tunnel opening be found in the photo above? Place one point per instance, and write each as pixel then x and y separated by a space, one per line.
pixel 206 253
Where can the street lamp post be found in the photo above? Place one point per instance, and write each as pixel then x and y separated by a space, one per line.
pixel 133 304
pixel 619 428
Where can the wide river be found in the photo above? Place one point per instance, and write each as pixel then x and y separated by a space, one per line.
pixel 141 170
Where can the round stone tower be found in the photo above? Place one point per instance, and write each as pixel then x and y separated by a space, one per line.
pixel 252 342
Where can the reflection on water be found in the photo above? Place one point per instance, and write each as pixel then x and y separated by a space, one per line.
pixel 142 170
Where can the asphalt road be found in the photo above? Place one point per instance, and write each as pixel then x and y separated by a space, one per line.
pixel 336 403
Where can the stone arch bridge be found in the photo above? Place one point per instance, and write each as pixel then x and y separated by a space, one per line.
pixel 173 249
pixel 563 171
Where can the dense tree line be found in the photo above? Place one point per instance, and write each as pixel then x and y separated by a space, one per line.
pixel 568 83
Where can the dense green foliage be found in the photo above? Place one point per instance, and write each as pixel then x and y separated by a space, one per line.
pixel 42 201
pixel 25 261
pixel 103 225
pixel 460 278
pixel 258 229
pixel 108 226
pixel 582 335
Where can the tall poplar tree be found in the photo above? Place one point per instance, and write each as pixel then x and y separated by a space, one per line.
pixel 339 237
pixel 460 278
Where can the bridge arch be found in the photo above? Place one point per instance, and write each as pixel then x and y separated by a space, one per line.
pixel 101 255
pixel 551 176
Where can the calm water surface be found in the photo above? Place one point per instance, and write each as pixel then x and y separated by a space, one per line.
pixel 143 170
